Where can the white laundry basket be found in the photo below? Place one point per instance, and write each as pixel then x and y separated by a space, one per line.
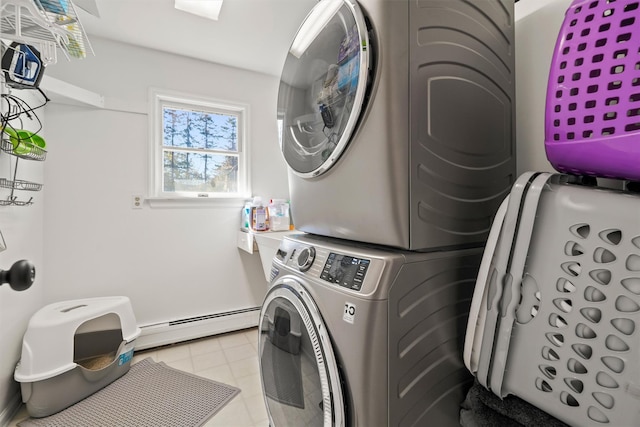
pixel 72 349
pixel 555 318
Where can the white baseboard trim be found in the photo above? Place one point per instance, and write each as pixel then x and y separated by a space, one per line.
pixel 10 411
pixel 197 327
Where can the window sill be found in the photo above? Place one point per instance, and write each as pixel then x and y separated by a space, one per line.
pixel 196 202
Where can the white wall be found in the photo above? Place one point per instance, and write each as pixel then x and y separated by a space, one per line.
pixel 537 25
pixel 21 227
pixel 171 262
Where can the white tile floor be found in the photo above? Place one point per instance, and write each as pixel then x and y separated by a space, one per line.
pixel 231 359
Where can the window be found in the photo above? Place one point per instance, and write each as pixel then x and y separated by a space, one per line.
pixel 198 148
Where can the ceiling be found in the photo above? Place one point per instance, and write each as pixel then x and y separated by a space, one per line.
pixel 249 34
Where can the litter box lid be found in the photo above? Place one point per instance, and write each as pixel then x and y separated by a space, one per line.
pixel 48 343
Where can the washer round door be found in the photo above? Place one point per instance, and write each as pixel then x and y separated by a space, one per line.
pixel 300 379
pixel 323 86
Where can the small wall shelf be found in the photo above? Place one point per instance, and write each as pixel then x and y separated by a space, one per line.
pixel 246 241
pixel 265 243
pixel 66 93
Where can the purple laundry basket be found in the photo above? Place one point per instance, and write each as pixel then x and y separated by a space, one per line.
pixel 592 123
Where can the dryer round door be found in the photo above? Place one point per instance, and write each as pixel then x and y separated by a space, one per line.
pixel 323 86
pixel 300 379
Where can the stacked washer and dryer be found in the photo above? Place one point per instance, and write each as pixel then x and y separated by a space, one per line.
pixel 397 124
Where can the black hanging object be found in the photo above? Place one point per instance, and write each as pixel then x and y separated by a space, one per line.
pixel 20 276
pixel 22 66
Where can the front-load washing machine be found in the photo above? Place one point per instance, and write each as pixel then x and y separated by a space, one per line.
pixel 397 120
pixel 361 335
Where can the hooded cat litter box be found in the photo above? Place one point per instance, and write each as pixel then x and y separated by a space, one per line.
pixel 72 349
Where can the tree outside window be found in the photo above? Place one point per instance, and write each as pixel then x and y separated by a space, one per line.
pixel 199 149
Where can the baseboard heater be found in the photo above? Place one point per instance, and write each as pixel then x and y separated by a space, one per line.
pixel 190 328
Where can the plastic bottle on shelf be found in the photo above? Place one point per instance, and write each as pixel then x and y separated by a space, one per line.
pixel 279 215
pixel 259 215
pixel 245 218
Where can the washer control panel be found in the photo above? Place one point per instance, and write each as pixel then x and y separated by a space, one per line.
pixel 356 269
pixel 345 270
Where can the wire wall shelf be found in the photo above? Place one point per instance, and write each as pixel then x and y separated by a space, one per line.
pixel 48 25
pixel 28 152
pixel 20 184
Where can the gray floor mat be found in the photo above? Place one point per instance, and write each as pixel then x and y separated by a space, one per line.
pixel 150 394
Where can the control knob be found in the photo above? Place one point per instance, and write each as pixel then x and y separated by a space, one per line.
pixel 306 258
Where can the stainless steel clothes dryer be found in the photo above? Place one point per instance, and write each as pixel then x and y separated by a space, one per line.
pixel 397 120
pixel 357 335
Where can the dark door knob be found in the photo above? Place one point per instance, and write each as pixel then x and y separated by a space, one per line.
pixel 20 276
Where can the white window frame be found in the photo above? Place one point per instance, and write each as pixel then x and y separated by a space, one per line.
pixel 159 99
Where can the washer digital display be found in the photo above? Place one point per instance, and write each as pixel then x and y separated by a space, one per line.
pixel 345 270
